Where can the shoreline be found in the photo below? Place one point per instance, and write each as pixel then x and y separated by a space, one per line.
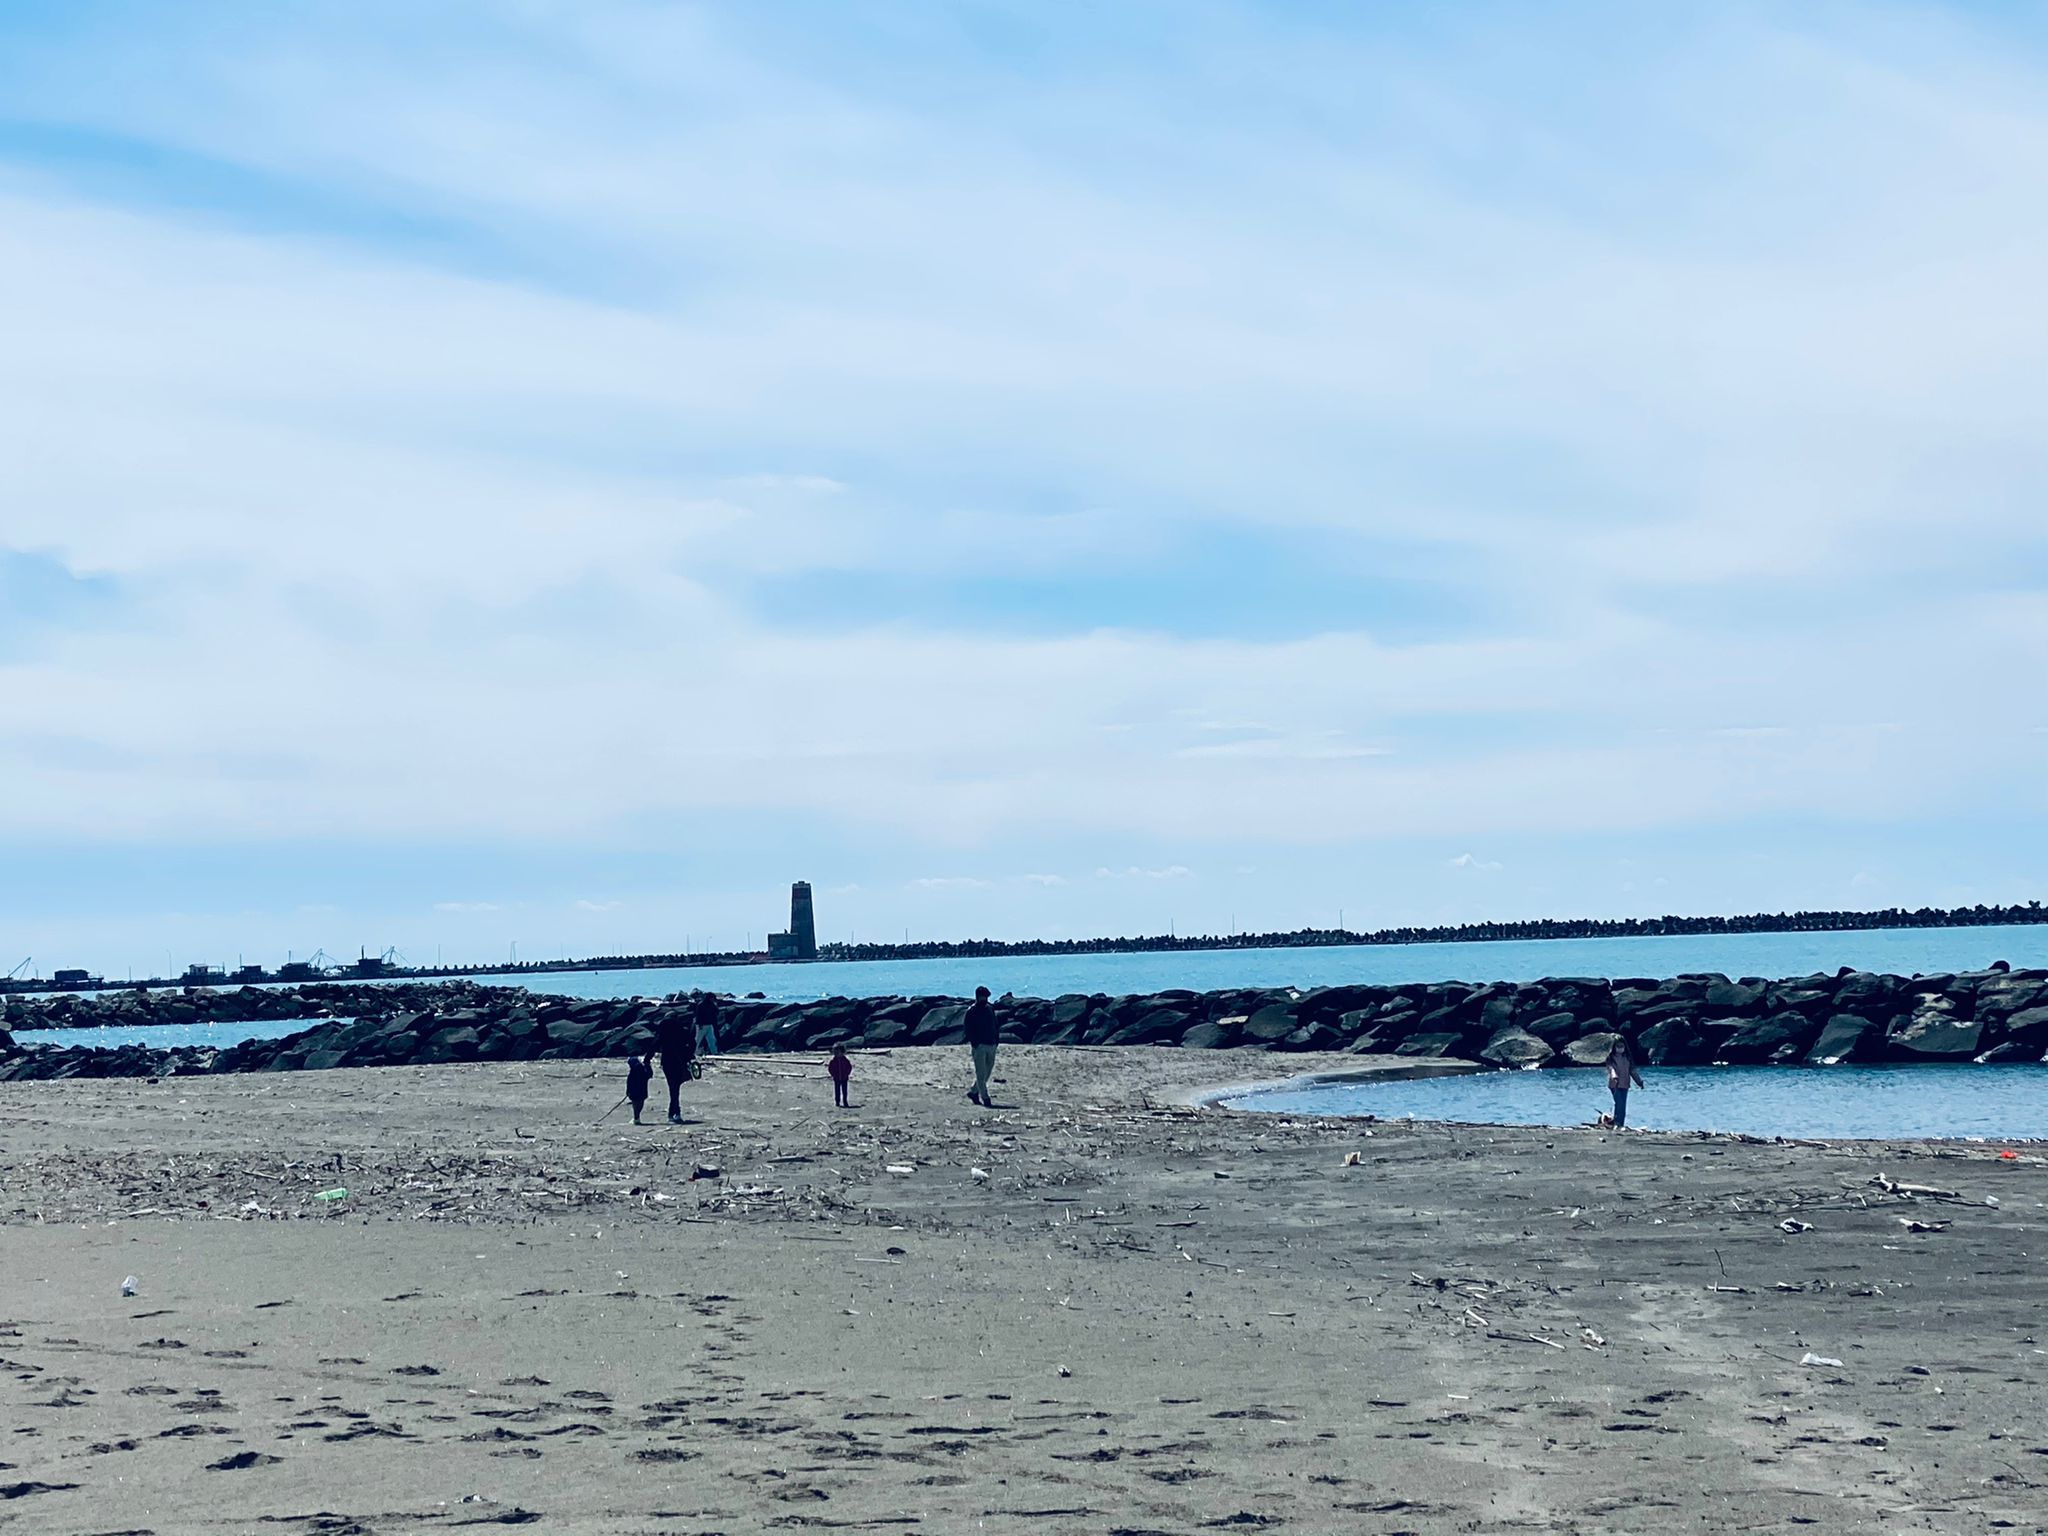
pixel 1989 1016
pixel 1532 931
pixel 1091 1307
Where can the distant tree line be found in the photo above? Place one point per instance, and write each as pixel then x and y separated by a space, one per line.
pixel 1979 916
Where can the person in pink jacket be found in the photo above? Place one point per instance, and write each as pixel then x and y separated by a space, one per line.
pixel 1621 1072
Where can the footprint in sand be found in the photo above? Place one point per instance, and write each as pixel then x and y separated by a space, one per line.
pixel 241 1461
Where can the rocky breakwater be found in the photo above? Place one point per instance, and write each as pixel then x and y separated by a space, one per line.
pixel 1851 1016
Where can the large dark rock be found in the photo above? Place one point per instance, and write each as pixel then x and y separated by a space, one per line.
pixel 1428 1045
pixel 1275 1022
pixel 1673 1041
pixel 1933 1032
pixel 2027 1029
pixel 1557 1029
pixel 1514 1047
pixel 1845 1037
pixel 1210 1036
pixel 1591 1050
pixel 1734 999
pixel 1780 1038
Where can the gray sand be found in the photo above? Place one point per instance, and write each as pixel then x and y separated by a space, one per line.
pixel 1147 1319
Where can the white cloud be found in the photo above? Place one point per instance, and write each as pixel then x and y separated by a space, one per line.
pixel 467 906
pixel 584 905
pixel 1170 872
pixel 1472 861
pixel 952 883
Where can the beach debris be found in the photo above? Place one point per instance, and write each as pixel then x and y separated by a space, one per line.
pixel 332 1194
pixel 130 1286
pixel 901 1168
pixel 979 1175
pixel 1810 1358
pixel 1591 1339
pixel 1065 1372
pixel 1795 1225
pixel 1893 1186
pixel 706 1171
pixel 1923 1226
pixel 1731 1290
pixel 1351 1160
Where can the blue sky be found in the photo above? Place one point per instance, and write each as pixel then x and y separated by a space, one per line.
pixel 556 473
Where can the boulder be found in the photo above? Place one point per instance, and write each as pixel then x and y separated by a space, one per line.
pixel 1555 1029
pixel 1845 1037
pixel 458 1042
pixel 2028 1029
pixel 1933 1032
pixel 1781 1037
pixel 1211 1036
pixel 1591 1050
pixel 1734 999
pixel 7 1045
pixel 1274 1022
pixel 1428 1045
pixel 944 1025
pixel 1672 1041
pixel 1514 1047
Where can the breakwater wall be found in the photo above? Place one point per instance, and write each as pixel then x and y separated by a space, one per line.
pixel 1850 1016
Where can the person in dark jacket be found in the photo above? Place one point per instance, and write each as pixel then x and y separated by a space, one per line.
pixel 983 1036
pixel 675 1038
pixel 639 1073
pixel 707 1026
pixel 840 1070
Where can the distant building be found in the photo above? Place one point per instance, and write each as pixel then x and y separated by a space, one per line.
pixel 297 970
pixel 801 942
pixel 71 978
pixel 202 975
pixel 248 975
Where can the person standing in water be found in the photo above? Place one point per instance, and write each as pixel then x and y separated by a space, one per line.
pixel 983 1036
pixel 1621 1072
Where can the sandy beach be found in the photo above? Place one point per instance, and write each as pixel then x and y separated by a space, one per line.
pixel 1138 1317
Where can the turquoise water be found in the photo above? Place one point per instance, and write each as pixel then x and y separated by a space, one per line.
pixel 1998 1102
pixel 1902 951
pixel 164 1036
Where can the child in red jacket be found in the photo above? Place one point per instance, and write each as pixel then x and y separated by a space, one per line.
pixel 841 1069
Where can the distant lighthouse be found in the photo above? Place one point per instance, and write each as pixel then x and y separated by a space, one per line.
pixel 801 942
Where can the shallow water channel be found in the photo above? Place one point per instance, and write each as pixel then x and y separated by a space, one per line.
pixel 1881 1102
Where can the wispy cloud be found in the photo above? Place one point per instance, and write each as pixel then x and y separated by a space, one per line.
pixel 585 905
pixel 1236 477
pixel 1472 861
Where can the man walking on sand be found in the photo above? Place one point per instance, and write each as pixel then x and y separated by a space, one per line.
pixel 983 1035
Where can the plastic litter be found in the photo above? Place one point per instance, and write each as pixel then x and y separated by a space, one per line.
pixel 901 1168
pixel 1810 1358
pixel 706 1171
pixel 1350 1159
pixel 130 1286
pixel 979 1175
pixel 332 1194
pixel 1793 1224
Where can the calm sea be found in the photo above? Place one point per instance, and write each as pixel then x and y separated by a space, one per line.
pixel 2002 1102
pixel 1902 951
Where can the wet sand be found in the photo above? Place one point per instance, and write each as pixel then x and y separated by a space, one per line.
pixel 1147 1318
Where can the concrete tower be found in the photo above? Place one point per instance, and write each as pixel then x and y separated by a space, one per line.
pixel 803 924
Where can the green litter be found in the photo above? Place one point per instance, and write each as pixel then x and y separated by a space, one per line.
pixel 332 1194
